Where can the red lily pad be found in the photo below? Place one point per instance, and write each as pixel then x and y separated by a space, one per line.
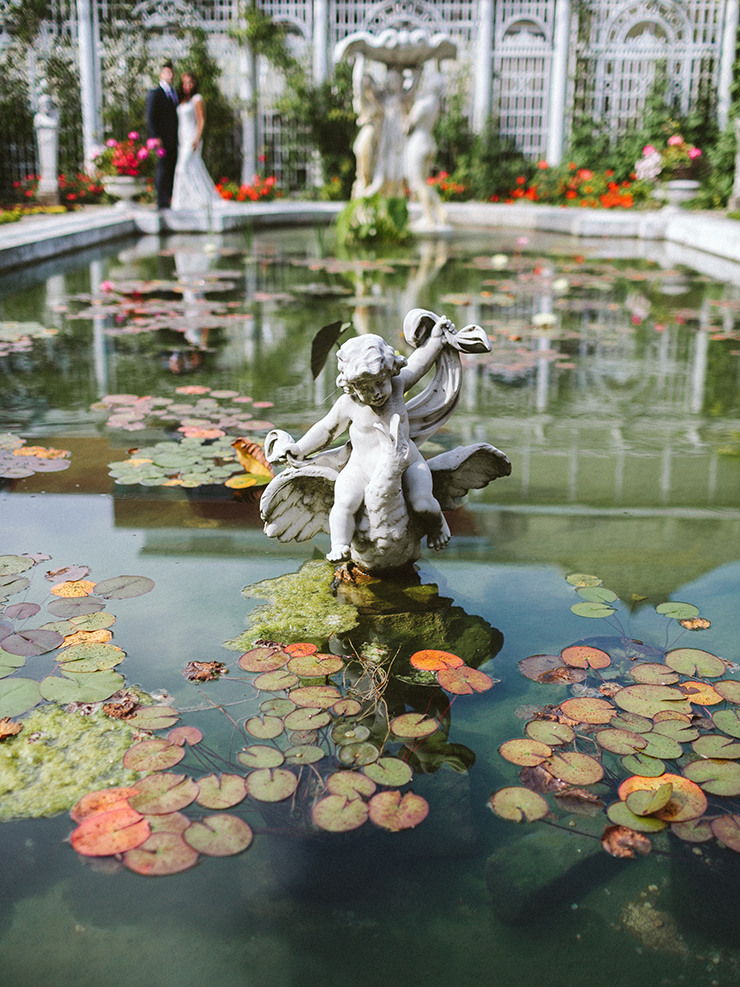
pixel 300 648
pixel 169 822
pixel 271 785
pixel 431 660
pixel 100 801
pixel 264 727
pixel 549 732
pixel 260 756
pixel 219 836
pixel 389 771
pixel 307 718
pixel 525 752
pixel 346 707
pixel 317 696
pixel 716 776
pixel 105 833
pixel 463 680
pixel 124 587
pixel 394 812
pixel 316 665
pixel 588 710
pixel 156 754
pixel 31 643
pixel 339 813
pixel 153 718
pixel 582 656
pixel 275 681
pixel 575 768
pixel 221 791
pixel 21 611
pixel 163 793
pixel 350 784
pixel 185 735
pixel 161 855
pixel 518 804
pixel 263 659
pixel 414 725
pixel 727 830
pixel 692 661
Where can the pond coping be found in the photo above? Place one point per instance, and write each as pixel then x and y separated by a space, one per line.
pixel 41 237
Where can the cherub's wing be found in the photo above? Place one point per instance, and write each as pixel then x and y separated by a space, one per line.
pixel 465 468
pixel 295 505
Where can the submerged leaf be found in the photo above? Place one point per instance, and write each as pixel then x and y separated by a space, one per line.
pixel 621 841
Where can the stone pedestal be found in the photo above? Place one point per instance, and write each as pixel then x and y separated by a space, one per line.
pixel 46 123
pixel 734 202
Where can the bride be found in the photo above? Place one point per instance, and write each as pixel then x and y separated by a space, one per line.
pixel 193 188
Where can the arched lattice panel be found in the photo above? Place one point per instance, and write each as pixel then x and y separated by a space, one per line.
pixel 627 44
pixel 453 17
pixel 522 59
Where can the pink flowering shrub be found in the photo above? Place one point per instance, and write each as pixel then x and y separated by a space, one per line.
pixel 677 155
pixel 131 156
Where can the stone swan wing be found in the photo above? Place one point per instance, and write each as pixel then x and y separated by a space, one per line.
pixel 465 468
pixel 295 505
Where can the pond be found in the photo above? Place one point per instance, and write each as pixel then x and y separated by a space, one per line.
pixel 612 385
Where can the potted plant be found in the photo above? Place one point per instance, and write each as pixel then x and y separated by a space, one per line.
pixel 122 165
pixel 674 167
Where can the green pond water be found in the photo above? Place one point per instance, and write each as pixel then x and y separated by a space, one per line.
pixel 613 386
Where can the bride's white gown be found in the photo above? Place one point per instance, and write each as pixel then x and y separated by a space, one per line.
pixel 193 188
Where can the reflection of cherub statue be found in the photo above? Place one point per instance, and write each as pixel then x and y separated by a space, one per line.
pixel 377 495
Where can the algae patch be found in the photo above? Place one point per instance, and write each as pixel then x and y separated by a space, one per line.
pixel 301 606
pixel 58 757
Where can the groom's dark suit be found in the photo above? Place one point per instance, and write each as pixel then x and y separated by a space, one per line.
pixel 161 118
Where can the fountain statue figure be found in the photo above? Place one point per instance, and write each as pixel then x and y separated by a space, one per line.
pixel 376 495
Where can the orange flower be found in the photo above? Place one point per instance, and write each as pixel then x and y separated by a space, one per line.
pixel 542 165
pixel 570 194
pixel 521 180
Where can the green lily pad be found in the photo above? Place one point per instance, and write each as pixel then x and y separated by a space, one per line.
pixel 640 764
pixel 592 610
pixel 10 585
pixel 260 756
pixel 316 665
pixel 582 579
pixel 693 830
pixel 31 643
pixel 315 696
pixel 162 854
pixel 307 718
pixel 389 771
pixel 75 607
pixel 11 661
pixel 620 741
pixel 575 768
pixel 414 725
pixel 357 755
pixel 163 793
pixel 221 791
pixel 518 804
pixel 18 696
pixel 90 657
pixel 678 730
pixel 275 681
pixel 596 594
pixel 277 707
pixel 620 814
pixel 716 776
pixel 264 727
pixel 692 661
pixel 716 746
pixel 339 814
pixel 631 721
pixel 271 784
pixel 549 732
pixel 264 659
pixel 645 803
pixel 346 707
pixel 219 836
pixel 727 831
pixel 11 565
pixel 658 745
pixel 93 621
pixel 156 754
pixel 392 811
pixel 153 718
pixel 653 673
pixel 525 752
pixel 85 687
pixel 304 754
pixel 124 587
pixel 351 784
pixel 728 721
pixel 679 611
pixel 349 733
pixel 647 700
pixel 729 689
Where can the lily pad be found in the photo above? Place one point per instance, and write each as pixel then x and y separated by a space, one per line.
pixel 592 610
pixel 101 801
pixel 315 696
pixel 679 611
pixel 299 648
pixel 271 784
pixel 727 830
pixel 260 756
pixel 550 732
pixel 596 594
pixel 153 718
pixel 32 642
pixel 277 707
pixel 169 822
pixel 264 727
pixel 389 771
pixel 307 718
pixel 431 660
pixel 85 687
pixel 687 800
pixel 620 741
pixel 693 830
pixel 275 681
pixel 518 804
pixel 692 661
pixel 11 565
pixel 463 680
pixel 582 579
pixel 21 611
pixel 357 755
pixel 124 587
pixel 107 833
pixel 700 693
pixel 10 585
pixel 678 730
pixel 729 689
pixel 263 659
pixel 575 768
pixel 316 665
pixel 653 673
pixel 80 607
pixel 17 696
pixel 350 784
pixel 156 754
pixel 94 621
pixel 394 812
pixel 715 745
pixel 219 836
pixel 162 854
pixel 525 752
pixel 619 814
pixel 647 700
pixel 588 710
pixel 658 745
pixel 549 669
pixel 728 721
pixel 338 813
pixel 304 754
pixel 646 803
pixel 346 707
pixel 221 791
pixel 185 735
pixel 414 725
pixel 90 657
pixel 164 792
pixel 646 767
pixel 582 656
pixel 349 732
pixel 718 777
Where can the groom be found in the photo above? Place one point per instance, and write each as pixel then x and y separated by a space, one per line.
pixel 161 118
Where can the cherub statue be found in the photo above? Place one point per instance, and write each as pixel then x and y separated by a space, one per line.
pixel 377 495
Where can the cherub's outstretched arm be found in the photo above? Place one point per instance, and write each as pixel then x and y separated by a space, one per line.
pixel 324 431
pixel 425 355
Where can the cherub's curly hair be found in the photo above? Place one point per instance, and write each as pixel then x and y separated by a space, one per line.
pixel 364 356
